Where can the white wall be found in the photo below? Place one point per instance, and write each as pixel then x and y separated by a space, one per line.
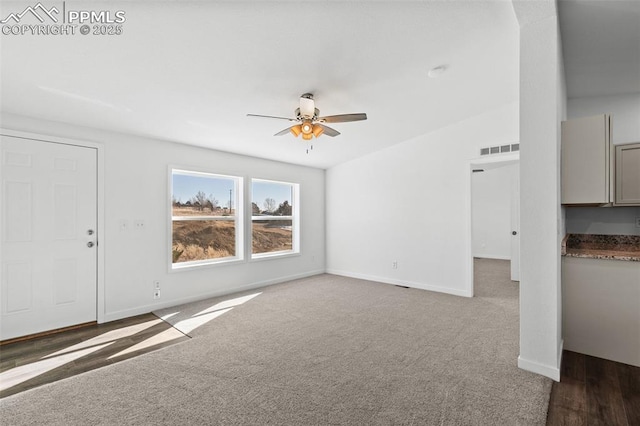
pixel 136 187
pixel 542 108
pixel 491 211
pixel 625 111
pixel 625 128
pixel 408 203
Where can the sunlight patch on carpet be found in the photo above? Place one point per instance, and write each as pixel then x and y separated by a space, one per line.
pixel 108 337
pixel 165 336
pixel 188 325
pixel 228 304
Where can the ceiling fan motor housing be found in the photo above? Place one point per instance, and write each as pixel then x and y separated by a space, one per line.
pixel 300 116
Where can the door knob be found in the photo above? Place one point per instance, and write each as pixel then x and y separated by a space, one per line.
pixel 90 232
pixel 514 233
pixel 90 244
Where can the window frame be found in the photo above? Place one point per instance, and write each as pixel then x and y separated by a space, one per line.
pixel 238 218
pixel 294 218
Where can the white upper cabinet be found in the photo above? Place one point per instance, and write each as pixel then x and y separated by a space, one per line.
pixel 586 161
pixel 628 175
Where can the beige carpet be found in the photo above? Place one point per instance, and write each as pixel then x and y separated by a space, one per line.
pixel 317 351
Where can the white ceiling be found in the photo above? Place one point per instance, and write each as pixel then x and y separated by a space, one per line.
pixel 190 71
pixel 601 46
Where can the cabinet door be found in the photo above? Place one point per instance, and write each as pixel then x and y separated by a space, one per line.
pixel 628 174
pixel 586 160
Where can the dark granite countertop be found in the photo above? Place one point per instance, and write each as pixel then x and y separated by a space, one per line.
pixel 618 247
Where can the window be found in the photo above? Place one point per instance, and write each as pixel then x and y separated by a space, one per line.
pixel 274 218
pixel 205 218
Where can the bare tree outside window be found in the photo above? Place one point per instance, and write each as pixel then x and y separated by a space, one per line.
pixel 269 205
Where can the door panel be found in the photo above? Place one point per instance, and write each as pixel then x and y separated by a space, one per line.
pixel 19 286
pixel 48 204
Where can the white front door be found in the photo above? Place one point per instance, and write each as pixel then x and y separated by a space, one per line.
pixel 48 253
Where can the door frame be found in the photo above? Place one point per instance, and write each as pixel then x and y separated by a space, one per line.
pixel 100 255
pixel 473 163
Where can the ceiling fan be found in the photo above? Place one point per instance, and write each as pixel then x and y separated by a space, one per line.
pixel 310 123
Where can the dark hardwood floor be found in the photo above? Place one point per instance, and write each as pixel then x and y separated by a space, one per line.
pixel 595 391
pixel 34 362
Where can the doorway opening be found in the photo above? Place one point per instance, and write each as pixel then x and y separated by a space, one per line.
pixel 494 213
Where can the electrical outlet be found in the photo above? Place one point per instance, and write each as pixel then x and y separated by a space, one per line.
pixel 138 224
pixel 156 285
pixel 156 293
pixel 637 222
pixel 394 264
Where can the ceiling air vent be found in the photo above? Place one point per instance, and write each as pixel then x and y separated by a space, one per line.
pixel 500 149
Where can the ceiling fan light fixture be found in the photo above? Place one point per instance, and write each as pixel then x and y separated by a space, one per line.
pixel 310 123
pixel 317 130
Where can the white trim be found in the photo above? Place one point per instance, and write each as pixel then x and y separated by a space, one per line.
pixel 544 370
pixel 186 218
pixel 559 358
pixel 492 256
pixel 273 255
pixel 413 284
pixel 290 217
pixel 100 227
pixel 112 316
pixel 514 156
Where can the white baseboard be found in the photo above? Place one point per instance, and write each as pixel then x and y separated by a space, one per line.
pixel 544 370
pixel 145 309
pixel 386 280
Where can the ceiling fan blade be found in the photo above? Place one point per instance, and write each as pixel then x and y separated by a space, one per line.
pixel 328 130
pixel 271 116
pixel 283 132
pixel 343 118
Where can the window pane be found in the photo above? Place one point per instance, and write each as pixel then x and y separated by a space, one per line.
pixel 202 195
pixel 203 240
pixel 271 198
pixel 272 235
